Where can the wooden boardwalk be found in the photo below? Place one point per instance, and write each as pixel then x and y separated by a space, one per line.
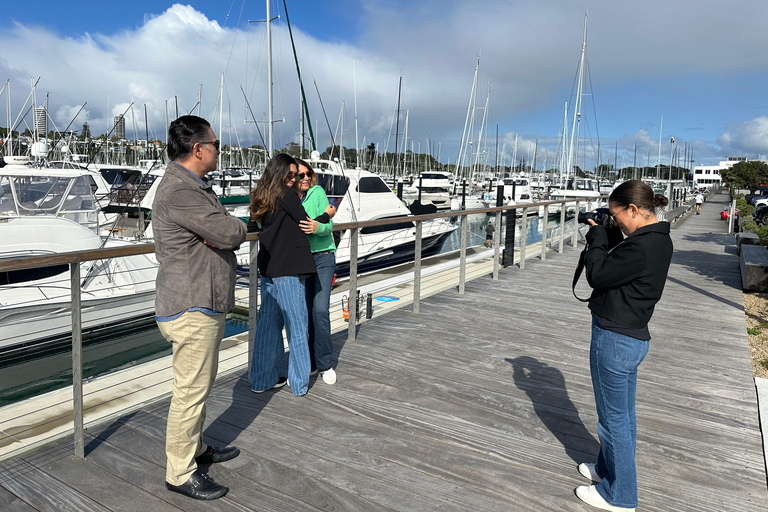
pixel 481 402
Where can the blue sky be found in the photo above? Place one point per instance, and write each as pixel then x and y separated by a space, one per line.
pixel 702 65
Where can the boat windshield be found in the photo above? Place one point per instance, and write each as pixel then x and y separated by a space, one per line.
pixel 128 186
pixel 70 197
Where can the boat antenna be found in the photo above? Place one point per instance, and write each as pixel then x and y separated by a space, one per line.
pixel 301 83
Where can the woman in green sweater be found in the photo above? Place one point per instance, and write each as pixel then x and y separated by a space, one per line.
pixel 318 286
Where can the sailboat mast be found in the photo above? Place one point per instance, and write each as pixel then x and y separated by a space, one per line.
pixel 221 114
pixel 270 128
pixel 465 135
pixel 397 126
pixel 577 110
pixel 357 143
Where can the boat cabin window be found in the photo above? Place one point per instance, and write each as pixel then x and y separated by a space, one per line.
pixel 124 183
pixel 335 187
pixel 433 176
pixel 372 185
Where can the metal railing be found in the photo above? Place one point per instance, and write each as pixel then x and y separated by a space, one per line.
pixel 75 259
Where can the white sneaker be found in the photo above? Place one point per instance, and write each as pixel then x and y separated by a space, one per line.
pixel 329 376
pixel 587 470
pixel 589 495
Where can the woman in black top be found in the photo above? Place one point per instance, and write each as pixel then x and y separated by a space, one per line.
pixel 285 260
pixel 627 277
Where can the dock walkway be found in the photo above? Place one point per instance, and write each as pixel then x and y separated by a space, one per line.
pixel 481 402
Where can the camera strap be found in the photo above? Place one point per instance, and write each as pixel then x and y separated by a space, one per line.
pixel 577 275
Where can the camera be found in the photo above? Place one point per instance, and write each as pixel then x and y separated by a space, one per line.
pixel 599 215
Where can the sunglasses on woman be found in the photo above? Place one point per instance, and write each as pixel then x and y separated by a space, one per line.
pixel 303 175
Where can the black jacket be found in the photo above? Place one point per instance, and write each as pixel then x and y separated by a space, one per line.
pixel 283 246
pixel 628 279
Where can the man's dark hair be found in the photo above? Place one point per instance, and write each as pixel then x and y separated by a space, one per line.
pixel 183 133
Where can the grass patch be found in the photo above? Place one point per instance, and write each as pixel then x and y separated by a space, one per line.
pixel 764 363
pixel 754 332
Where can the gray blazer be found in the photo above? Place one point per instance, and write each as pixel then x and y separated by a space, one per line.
pixel 191 273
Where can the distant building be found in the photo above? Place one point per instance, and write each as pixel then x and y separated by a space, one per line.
pixel 41 122
pixel 119 127
pixel 709 175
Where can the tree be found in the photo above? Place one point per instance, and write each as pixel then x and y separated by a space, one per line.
pixel 292 149
pixel 746 175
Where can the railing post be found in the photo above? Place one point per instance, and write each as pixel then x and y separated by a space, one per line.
pixel 523 237
pixel 544 233
pixel 253 298
pixel 562 226
pixel 463 254
pixel 575 236
pixel 77 359
pixel 496 246
pixel 417 266
pixel 353 236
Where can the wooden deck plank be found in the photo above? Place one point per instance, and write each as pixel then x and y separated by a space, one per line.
pixel 12 503
pixel 43 491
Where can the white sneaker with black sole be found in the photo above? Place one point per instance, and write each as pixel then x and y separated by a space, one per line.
pixel 589 495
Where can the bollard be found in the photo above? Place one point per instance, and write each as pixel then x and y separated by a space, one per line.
pixel 369 307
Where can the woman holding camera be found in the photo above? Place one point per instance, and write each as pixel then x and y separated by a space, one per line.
pixel 627 278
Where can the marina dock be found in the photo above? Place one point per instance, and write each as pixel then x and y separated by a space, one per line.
pixel 482 401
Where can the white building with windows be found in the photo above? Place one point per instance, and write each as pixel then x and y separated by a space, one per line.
pixel 709 175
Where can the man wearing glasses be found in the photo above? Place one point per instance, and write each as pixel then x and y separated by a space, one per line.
pixel 195 240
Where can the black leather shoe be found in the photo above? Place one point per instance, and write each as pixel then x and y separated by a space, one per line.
pixel 199 487
pixel 213 455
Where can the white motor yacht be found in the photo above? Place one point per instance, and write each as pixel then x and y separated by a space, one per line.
pixel 360 196
pixel 433 187
pixel 584 190
pixel 50 211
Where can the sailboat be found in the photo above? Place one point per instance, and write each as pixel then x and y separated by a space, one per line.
pixel 577 188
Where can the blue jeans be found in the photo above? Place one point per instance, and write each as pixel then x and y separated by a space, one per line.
pixel 282 304
pixel 613 361
pixel 318 306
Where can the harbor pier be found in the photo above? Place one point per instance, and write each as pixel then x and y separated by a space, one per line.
pixel 481 401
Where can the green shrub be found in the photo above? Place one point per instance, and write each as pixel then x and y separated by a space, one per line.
pixel 762 234
pixel 764 363
pixel 749 225
pixel 745 209
pixel 753 332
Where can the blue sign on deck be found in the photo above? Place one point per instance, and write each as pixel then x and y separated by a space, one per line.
pixel 387 298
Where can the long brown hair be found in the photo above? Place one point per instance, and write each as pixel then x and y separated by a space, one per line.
pixel 271 186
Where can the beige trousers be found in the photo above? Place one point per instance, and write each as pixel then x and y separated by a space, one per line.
pixel 196 338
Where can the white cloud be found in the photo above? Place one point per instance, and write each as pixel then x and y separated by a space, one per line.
pixel 529 52
pixel 750 137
